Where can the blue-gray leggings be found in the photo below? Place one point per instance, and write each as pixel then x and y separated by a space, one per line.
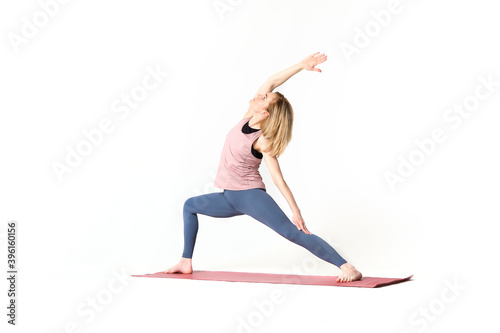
pixel 258 204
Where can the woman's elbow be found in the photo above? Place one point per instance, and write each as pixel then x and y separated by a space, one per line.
pixel 278 181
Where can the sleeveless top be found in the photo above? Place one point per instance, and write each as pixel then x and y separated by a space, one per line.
pixel 239 161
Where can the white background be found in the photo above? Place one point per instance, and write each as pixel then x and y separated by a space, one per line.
pixel 120 210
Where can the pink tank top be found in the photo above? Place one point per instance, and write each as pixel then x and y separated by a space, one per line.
pixel 238 167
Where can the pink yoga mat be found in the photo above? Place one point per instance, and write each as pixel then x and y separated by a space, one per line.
pixel 365 282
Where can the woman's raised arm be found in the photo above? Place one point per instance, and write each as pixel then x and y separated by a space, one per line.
pixel 278 79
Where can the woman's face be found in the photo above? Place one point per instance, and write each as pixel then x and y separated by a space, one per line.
pixel 261 101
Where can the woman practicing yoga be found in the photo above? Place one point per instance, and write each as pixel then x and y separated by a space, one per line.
pixel 264 132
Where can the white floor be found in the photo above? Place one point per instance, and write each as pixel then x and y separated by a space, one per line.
pixel 89 300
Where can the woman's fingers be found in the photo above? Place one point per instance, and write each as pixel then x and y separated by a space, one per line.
pixel 312 55
pixel 321 59
pixel 303 227
pixel 313 60
pixel 300 224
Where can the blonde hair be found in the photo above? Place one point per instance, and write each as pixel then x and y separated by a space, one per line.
pixel 277 127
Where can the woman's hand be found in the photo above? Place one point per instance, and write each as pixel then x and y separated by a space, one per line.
pixel 313 60
pixel 299 222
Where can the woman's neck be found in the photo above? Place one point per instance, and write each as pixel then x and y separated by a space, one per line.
pixel 257 123
pixel 254 126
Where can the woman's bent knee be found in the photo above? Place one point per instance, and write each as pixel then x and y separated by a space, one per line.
pixel 189 205
pixel 195 204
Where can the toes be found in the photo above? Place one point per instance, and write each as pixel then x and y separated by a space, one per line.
pixel 344 278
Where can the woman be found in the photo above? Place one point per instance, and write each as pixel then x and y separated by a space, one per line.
pixel 264 132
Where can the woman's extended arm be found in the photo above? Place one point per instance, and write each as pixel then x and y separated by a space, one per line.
pixel 278 79
pixel 297 216
pixel 277 176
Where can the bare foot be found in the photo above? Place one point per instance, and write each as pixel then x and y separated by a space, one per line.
pixel 349 273
pixel 184 267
